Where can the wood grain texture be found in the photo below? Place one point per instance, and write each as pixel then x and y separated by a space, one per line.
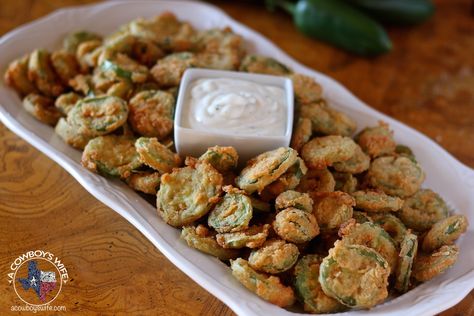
pixel 427 82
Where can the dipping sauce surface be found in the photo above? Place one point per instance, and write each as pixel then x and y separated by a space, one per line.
pixel 236 106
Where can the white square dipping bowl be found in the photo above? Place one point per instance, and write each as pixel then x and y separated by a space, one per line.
pixel 192 142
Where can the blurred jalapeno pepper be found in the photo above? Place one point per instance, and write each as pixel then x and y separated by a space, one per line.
pixel 396 11
pixel 338 23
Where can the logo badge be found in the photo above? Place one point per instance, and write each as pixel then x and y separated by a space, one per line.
pixel 37 277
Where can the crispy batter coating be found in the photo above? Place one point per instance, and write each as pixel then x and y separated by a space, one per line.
pixel 267 287
pixel 222 158
pixel 377 141
pixel 232 213
pixel 428 266
pixel 66 101
pixel 151 113
pixel 41 73
pixel 65 65
pixel 321 152
pixel 42 108
pixel 306 89
pixel 294 199
pixel 169 70
pixel 295 225
pixel 372 236
pixel 275 256
pixel 302 132
pixel 156 155
pixel 355 275
pixel 165 30
pixel 308 289
pixel 253 237
pixel 16 76
pixel 98 116
pixel 147 182
pixel 345 182
pixel 317 180
pixel 201 239
pixel 332 209
pixel 375 201
pixel 326 120
pixel 444 232
pixel 408 251
pixel 70 135
pixel 264 65
pixel 392 225
pixel 397 176
pixel 111 155
pixel 188 193
pixel 265 168
pixel 423 210
pixel 287 181
pixel 358 163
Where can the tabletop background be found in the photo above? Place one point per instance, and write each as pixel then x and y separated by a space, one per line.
pixel 427 82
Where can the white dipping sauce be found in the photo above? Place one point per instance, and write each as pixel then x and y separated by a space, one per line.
pixel 236 106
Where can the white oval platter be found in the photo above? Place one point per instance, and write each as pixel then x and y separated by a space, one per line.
pixel 453 180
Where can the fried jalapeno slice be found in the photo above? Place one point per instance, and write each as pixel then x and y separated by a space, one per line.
pixel 42 108
pixel 308 289
pixel 321 152
pixel 287 181
pixel 72 41
pixel 302 132
pixel 295 225
pixel 152 113
pixel 65 102
pixel 222 158
pixel 374 201
pixel 147 181
pixel 263 65
pixel 98 116
pixel 111 155
pixel 169 70
pixel 41 73
pixel 232 213
pixel 265 168
pixel 294 199
pixel 355 275
pixel 275 256
pixel 252 237
pixel 408 251
pixel 358 163
pixel 332 209
pixel 345 182
pixel 397 176
pixel 122 67
pixel 392 225
pixel 267 287
pixel 188 193
pixel 70 135
pixel 428 266
pixel 326 120
pixel 201 239
pixel 65 65
pixel 317 180
pixel 372 236
pixel 16 76
pixel 377 141
pixel 306 89
pixel 156 155
pixel 423 210
pixel 444 232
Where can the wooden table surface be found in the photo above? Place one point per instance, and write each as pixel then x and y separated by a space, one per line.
pixel 427 82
